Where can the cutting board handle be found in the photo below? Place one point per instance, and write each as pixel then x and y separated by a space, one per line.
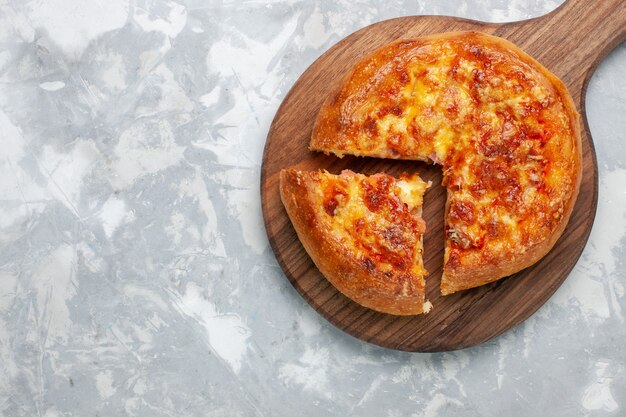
pixel 579 33
pixel 609 17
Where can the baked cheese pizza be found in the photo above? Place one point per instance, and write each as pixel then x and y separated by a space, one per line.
pixel 504 129
pixel 363 233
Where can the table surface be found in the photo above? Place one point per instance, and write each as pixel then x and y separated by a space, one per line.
pixel 135 274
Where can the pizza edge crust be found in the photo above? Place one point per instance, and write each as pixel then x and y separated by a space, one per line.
pixel 337 262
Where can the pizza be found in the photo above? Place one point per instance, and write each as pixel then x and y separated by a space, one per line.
pixel 364 233
pixel 504 129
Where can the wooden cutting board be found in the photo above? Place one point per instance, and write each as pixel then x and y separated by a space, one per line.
pixel 570 42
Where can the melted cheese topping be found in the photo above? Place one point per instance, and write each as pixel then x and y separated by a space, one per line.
pixel 375 216
pixel 496 123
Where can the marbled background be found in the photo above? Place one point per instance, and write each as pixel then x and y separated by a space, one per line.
pixel 135 274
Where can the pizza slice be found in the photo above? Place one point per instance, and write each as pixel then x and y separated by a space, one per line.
pixel 364 233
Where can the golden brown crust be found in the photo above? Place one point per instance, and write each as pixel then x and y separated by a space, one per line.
pixel 504 128
pixel 364 279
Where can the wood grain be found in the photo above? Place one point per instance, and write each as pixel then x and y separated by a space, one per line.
pixel 570 42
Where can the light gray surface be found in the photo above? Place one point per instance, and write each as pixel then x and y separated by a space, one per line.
pixel 135 275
